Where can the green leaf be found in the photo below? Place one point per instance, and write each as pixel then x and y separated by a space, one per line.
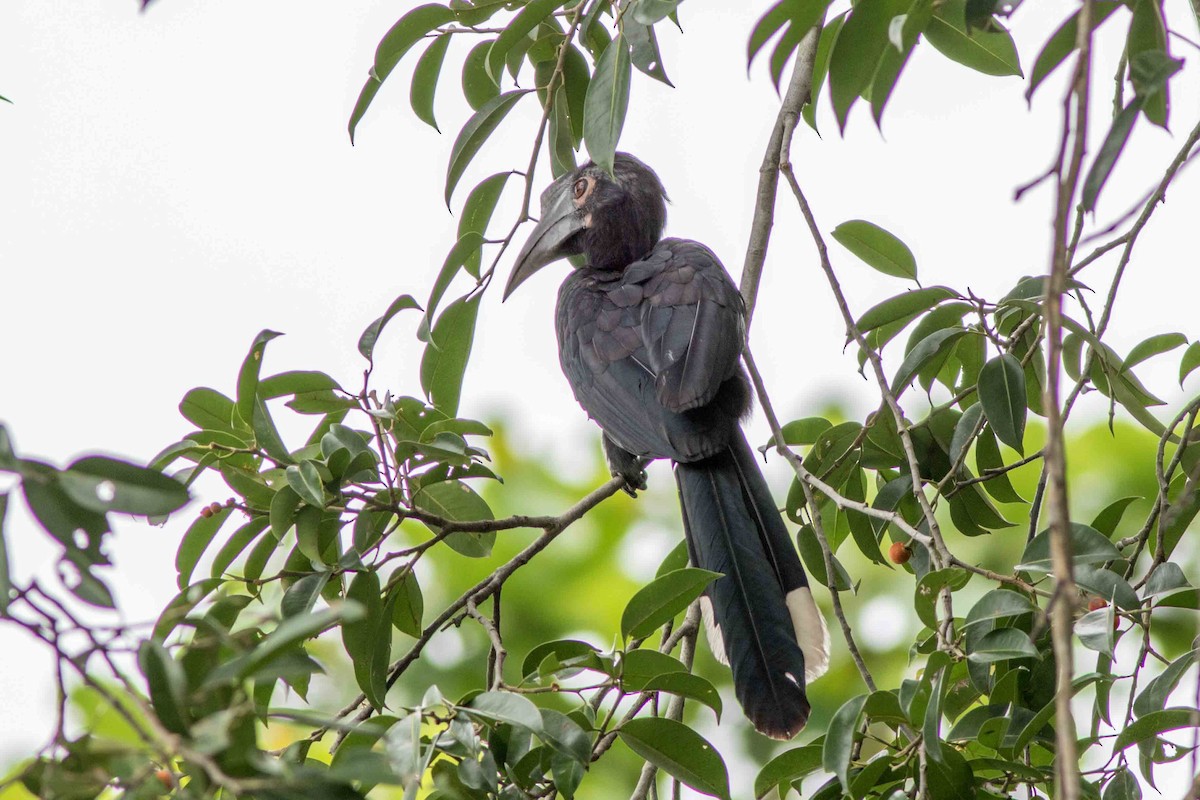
pixel 103 484
pixel 1002 395
pixel 998 604
pixel 473 134
pixel 529 18
pixel 825 46
pixel 1148 34
pixel 407 603
pixel 287 634
pixel 1001 645
pixel 767 26
pixel 1123 786
pixel 606 103
pixel 235 544
pixel 1107 520
pixel 1189 362
pixel 1109 585
pixel 686 685
pixel 1110 151
pixel 475 216
pixel 679 751
pixel 247 382
pixel 925 597
pixel 445 358
pixel 207 409
pixel 903 307
pixel 167 684
pixel 1062 43
pixel 560 653
pixel 964 431
pixel 368 640
pixel 663 598
pixel 425 78
pixel 305 480
pixel 1154 697
pixel 1153 346
pixel 644 54
pixel 1155 723
pixel 5 577
pixel 903 32
pixel 366 342
pixel 987 456
pixel 195 542
pixel 456 501
pixel 839 739
pixel 991 52
pixel 301 597
pixel 803 431
pixel 878 248
pixel 400 38
pixel 859 47
pixel 478 87
pixel 649 12
pixel 791 765
pixel 936 344
pixel 1088 546
pixel 506 707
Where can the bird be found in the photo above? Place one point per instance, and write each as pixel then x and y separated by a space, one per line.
pixel 650 334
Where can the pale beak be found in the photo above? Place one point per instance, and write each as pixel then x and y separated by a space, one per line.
pixel 552 239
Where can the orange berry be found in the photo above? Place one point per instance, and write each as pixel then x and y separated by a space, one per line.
pixel 899 553
pixel 165 778
pixel 1097 603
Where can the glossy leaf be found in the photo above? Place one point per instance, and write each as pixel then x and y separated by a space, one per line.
pixel 606 104
pixel 1002 395
pixel 207 409
pixel 839 739
pixel 679 751
pixel 688 686
pixel 929 348
pixel 791 765
pixel 1001 645
pixel 878 248
pixel 474 133
pixel 305 480
pixel 902 307
pixel 506 707
pixel 663 598
pixel 1088 546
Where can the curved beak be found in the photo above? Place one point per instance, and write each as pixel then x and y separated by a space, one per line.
pixel 552 239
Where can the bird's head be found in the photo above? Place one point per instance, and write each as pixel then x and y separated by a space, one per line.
pixel 612 220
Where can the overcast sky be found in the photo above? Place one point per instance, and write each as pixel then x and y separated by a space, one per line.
pixel 173 182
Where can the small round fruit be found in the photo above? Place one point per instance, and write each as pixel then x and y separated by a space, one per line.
pixel 900 553
pixel 206 512
pixel 1097 603
pixel 166 778
pixel 215 507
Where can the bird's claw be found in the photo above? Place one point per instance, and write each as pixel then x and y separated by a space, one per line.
pixel 635 480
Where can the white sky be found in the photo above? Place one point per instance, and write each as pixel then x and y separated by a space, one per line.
pixel 175 181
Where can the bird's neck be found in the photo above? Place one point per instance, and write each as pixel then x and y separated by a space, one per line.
pixel 626 236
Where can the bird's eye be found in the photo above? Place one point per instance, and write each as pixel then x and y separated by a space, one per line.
pixel 581 187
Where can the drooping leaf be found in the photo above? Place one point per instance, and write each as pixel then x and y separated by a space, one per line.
pixel 247 383
pixel 368 639
pixel 425 79
pixel 860 45
pixel 474 133
pixel 839 739
pixel 521 25
pixel 445 359
pixel 679 751
pixel 195 541
pixel 878 248
pixel 475 216
pixel 1189 362
pixel 1062 43
pixel 644 54
pixel 606 103
pixel 167 684
pixel 990 51
pixel 1002 395
pixel 1110 151
pixel 929 348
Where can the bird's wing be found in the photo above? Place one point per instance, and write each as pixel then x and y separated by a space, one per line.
pixel 600 330
pixel 693 322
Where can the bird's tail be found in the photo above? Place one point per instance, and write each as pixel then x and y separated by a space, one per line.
pixel 761 616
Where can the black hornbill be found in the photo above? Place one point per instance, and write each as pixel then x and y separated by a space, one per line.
pixel 650 335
